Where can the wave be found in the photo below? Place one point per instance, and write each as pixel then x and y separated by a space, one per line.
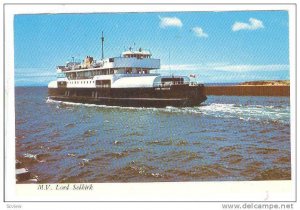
pixel 48 100
pixel 278 113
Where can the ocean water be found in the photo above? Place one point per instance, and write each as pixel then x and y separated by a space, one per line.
pixel 226 138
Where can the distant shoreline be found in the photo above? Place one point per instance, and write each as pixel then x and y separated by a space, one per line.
pixel 250 83
pixel 266 83
pixel 252 88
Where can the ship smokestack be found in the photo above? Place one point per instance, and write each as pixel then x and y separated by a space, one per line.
pixel 102 41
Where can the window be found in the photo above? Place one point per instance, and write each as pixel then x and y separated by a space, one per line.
pixel 62 84
pixel 103 83
pixel 172 80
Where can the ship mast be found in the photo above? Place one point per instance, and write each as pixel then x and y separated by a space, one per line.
pixel 102 41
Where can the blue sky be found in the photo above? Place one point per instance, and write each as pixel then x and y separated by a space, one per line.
pixel 216 46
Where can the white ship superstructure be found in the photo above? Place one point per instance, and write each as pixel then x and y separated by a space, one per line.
pixel 132 69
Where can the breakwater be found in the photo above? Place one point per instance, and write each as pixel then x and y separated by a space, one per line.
pixel 248 90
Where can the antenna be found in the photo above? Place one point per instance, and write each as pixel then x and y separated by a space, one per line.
pixel 73 63
pixel 102 41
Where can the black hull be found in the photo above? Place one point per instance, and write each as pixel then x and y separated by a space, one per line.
pixel 176 95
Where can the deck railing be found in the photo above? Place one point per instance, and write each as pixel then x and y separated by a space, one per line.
pixel 169 84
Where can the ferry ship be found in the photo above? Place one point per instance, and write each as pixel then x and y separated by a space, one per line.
pixel 126 80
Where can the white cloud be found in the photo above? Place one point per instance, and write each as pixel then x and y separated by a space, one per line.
pixel 198 31
pixel 240 68
pixel 253 24
pixel 34 76
pixel 227 67
pixel 182 67
pixel 170 22
pixel 34 72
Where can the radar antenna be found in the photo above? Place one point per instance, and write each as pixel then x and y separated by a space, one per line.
pixel 102 41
